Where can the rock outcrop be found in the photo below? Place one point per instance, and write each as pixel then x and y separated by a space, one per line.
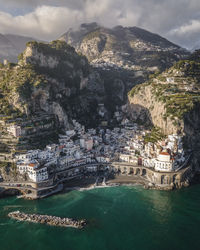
pixel 50 86
pixel 144 107
pixel 47 219
pixel 171 101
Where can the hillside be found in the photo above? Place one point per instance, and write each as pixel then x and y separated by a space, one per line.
pixel 171 101
pixel 130 44
pixel 124 56
pixel 50 86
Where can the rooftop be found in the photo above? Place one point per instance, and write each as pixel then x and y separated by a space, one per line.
pixel 164 153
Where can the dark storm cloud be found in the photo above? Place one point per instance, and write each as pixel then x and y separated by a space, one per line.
pixel 178 20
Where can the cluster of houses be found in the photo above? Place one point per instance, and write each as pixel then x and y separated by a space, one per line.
pixel 166 155
pixel 96 146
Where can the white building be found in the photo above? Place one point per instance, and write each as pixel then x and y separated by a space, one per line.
pixel 170 79
pixel 86 143
pixel 124 157
pixel 164 163
pixel 149 162
pixel 89 144
pixel 102 159
pixel 33 170
pixel 51 147
pixel 32 154
pixel 70 133
pixel 15 130
pixel 38 174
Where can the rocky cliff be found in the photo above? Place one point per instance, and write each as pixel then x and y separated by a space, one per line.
pixel 124 56
pixel 171 101
pixel 50 86
pixel 144 107
pixel 51 78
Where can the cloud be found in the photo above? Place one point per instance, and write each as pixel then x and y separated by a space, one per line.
pixel 187 29
pixel 188 33
pixel 49 22
pixel 47 19
pixel 45 22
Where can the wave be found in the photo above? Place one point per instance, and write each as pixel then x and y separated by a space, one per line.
pixel 4 224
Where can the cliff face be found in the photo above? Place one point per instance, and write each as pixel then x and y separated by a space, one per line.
pixel 50 86
pixel 144 107
pixel 63 81
pixel 171 101
pixel 123 54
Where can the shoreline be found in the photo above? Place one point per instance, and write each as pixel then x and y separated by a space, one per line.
pixel 116 182
pixel 95 182
pixel 120 180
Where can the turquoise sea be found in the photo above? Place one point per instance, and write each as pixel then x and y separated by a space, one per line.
pixel 120 218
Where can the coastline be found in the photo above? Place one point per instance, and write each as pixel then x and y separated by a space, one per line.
pixel 89 184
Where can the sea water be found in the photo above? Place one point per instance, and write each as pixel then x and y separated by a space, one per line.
pixel 119 218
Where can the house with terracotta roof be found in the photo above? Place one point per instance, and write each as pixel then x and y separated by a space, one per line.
pixel 33 170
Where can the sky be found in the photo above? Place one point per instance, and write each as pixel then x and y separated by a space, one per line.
pixel 176 20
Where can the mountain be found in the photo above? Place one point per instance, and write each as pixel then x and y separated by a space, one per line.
pixel 123 47
pixel 12 45
pixel 54 83
pixel 171 102
pixel 124 56
pixel 50 86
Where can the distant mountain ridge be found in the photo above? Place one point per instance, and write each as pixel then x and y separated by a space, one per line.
pixel 75 36
pixel 12 45
pixel 95 41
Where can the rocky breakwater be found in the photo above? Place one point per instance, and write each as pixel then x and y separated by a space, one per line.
pixel 47 219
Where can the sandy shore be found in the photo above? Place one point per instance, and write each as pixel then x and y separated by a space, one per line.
pixel 124 179
pixel 89 182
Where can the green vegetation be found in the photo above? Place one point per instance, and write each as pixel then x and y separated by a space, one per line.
pixel 155 135
pixel 179 97
pixel 20 81
pixel 55 48
pixel 135 90
pixel 177 101
pixel 20 57
pixel 152 76
pixel 4 165
pixel 66 57
pixel 188 67
pixel 4 148
pixel 180 104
